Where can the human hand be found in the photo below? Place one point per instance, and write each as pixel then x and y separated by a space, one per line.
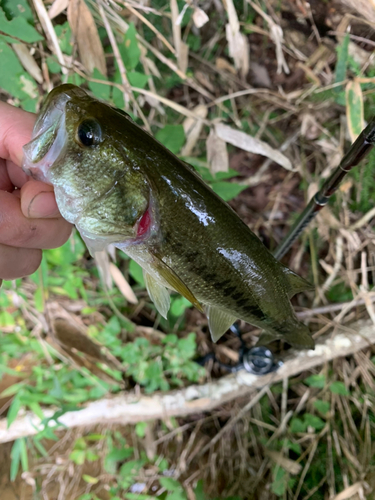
pixel 29 217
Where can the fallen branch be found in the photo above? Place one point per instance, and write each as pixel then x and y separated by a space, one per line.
pixel 127 408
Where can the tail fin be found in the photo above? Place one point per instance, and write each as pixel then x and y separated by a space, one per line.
pixel 295 333
pixel 296 283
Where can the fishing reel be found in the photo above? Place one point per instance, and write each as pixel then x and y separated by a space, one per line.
pixel 257 360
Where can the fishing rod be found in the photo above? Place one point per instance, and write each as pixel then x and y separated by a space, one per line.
pixel 358 150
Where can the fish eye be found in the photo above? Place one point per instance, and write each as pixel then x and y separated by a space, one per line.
pixel 89 132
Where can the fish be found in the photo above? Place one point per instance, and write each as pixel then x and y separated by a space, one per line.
pixel 120 186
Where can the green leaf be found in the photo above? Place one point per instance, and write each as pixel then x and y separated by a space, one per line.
pixel 199 491
pixel 140 429
pixel 136 496
pixel 172 137
pixel 354 108
pixel 138 80
pixel 317 381
pixel 53 65
pixel 78 457
pixel 227 190
pixel 39 299
pixel 18 455
pixel 15 8
pixel 24 458
pixel 342 60
pixel 18 28
pixel 35 408
pixel 130 51
pixel 339 388
pixel 13 410
pixel 297 425
pixel 12 389
pixel 101 91
pixel 170 484
pixel 114 456
pixel 179 305
pixel 322 406
pixel 131 468
pixel 90 479
pixel 279 481
pixel 15 456
pixel 64 35
pixel 313 421
pixel 296 447
pixel 6 319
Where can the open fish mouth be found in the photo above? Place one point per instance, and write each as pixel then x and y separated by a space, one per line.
pixel 48 138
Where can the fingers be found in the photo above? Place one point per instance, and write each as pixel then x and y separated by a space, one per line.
pixel 18 262
pixel 38 201
pixel 16 230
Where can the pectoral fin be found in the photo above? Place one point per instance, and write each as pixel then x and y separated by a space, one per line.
pixel 175 282
pixel 158 294
pixel 218 321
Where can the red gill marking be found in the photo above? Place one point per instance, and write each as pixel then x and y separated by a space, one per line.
pixel 144 223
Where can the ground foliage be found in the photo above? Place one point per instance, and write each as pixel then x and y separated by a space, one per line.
pixel 179 69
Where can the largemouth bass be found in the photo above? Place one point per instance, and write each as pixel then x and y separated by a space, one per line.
pixel 120 186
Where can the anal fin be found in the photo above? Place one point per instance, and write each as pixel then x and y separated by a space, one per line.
pixel 218 321
pixel 158 294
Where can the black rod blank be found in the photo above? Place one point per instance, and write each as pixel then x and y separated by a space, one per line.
pixel 359 149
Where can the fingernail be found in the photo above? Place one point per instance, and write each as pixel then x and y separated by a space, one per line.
pixel 43 205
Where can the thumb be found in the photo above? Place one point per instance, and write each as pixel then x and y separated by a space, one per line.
pixel 38 201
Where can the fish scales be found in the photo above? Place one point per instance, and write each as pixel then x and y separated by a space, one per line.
pixel 119 185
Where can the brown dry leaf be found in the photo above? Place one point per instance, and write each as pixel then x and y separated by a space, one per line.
pixel 122 284
pixel 27 61
pixel 252 145
pixel 217 154
pixel 85 32
pixel 222 63
pixel 365 8
pixel 183 56
pixel 346 186
pixel 238 46
pixel 277 36
pixel 193 129
pixel 286 463
pixel 204 80
pixel 102 263
pixel 57 7
pixel 50 32
pixel 182 49
pixel 200 18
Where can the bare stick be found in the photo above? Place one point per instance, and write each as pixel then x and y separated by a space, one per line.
pixel 129 408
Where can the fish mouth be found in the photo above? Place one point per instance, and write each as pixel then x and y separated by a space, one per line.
pixel 49 135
